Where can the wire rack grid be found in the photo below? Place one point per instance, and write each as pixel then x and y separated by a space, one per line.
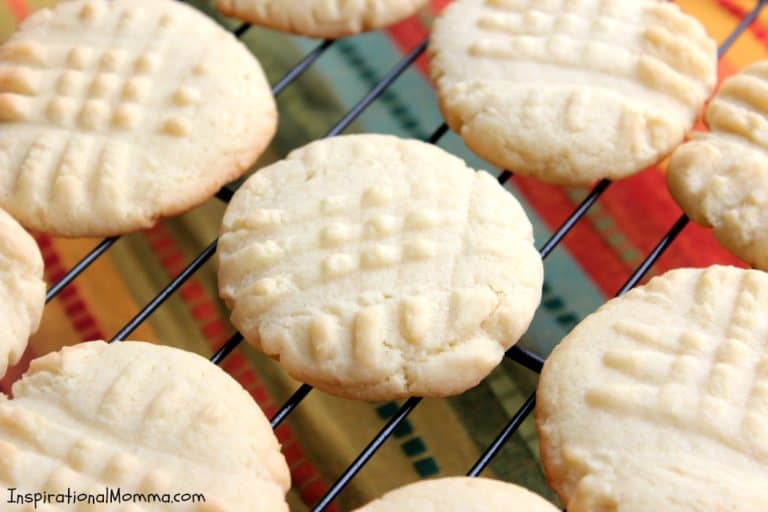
pixel 524 357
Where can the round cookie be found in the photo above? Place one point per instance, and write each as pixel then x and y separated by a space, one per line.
pixel 22 290
pixel 659 400
pixel 720 178
pixel 376 268
pixel 112 116
pixel 460 494
pixel 142 418
pixel 571 91
pixel 327 19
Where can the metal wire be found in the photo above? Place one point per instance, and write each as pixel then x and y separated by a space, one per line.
pixel 740 28
pixel 514 353
pixel 378 90
pixel 367 453
pixel 242 29
pixel 295 399
pixel 520 355
pixel 225 193
pixel 654 255
pixel 631 282
pixel 299 69
pixel 527 407
pixel 209 251
pixel 79 267
pixel 228 346
pixel 166 292
pixel 525 357
pixel 504 435
pixel 290 405
pixel 571 221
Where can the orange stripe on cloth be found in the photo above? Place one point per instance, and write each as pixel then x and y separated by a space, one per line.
pixel 757 28
pixel 193 294
pixel 18 8
pixel 83 321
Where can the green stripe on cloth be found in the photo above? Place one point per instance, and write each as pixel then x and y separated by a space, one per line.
pixel 7 21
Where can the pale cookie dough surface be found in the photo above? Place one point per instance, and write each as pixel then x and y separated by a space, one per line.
pixel 571 91
pixel 321 18
pixel 115 113
pixel 146 419
pixel 720 178
pixel 375 267
pixel 659 400
pixel 460 494
pixel 22 290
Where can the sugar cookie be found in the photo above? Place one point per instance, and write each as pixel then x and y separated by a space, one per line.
pixel 321 18
pixel 720 178
pixel 375 267
pixel 114 113
pixel 460 494
pixel 659 400
pixel 22 290
pixel 571 91
pixel 142 418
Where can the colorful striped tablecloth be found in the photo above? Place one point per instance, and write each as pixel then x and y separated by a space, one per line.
pixel 324 434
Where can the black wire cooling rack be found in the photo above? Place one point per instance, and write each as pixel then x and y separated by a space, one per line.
pixel 526 358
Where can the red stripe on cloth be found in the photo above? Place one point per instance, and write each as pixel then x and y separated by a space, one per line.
pixel 192 292
pixel 585 244
pixel 86 323
pixel 18 8
pixel 726 69
pixel 435 6
pixel 75 308
pixel 216 329
pixel 757 28
pixel 304 471
pixel 314 491
pixel 643 210
pixel 641 219
pixel 213 327
pixel 15 372
pixel 234 363
pixel 407 35
pixel 412 31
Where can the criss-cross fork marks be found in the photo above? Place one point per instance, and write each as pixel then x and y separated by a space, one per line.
pixel 711 376
pixel 79 113
pixel 104 86
pixel 369 280
pixel 75 458
pixel 741 108
pixel 528 407
pixel 662 51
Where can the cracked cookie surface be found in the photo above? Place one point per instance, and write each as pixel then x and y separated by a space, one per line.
pixel 375 267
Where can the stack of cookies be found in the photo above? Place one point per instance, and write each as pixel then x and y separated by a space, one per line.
pixel 379 268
